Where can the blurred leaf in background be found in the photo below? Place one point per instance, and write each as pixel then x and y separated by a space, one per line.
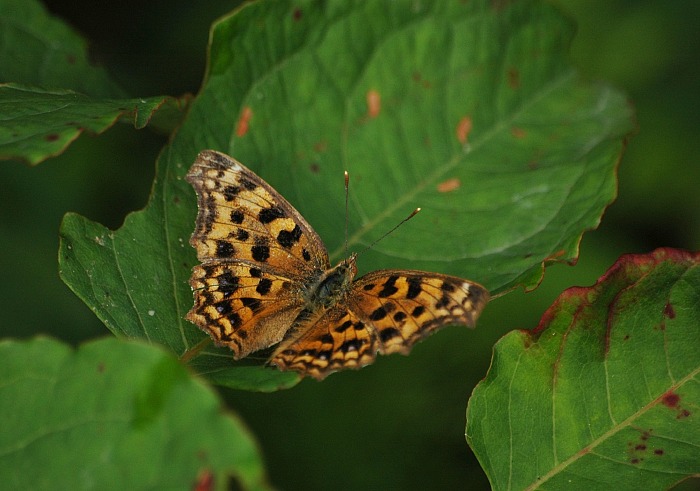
pixel 397 421
pixel 115 415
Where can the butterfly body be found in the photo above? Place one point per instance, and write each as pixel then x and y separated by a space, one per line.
pixel 265 279
pixel 333 286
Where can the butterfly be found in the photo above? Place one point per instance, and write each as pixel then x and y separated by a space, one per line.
pixel 265 279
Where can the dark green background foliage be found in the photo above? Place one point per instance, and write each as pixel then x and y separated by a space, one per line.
pixel 399 423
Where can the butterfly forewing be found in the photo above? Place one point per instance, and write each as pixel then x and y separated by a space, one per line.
pixel 241 218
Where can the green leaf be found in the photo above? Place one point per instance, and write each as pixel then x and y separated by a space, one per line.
pixel 40 123
pixel 605 393
pixel 39 49
pixel 53 93
pixel 470 112
pixel 114 415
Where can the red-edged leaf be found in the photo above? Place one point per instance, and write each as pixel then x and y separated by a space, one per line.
pixel 605 393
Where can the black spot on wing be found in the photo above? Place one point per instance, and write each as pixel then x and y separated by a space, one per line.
pixel 252 303
pixel 228 283
pixel 287 239
pixel 350 345
pixel 208 299
pixel 248 184
pixel 418 311
pixel 230 192
pixel 389 287
pixel 264 286
pixel 447 287
pixel 343 327
pixel 242 235
pixel 224 249
pixel 218 161
pixel 414 287
pixel 388 334
pixel 224 308
pixel 235 320
pixel 260 252
pixel 268 215
pixel 378 314
pixel 237 217
pixel 443 302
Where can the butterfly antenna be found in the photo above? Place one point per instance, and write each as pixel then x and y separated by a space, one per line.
pixel 347 182
pixel 413 213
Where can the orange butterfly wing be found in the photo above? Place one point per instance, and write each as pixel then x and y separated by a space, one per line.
pixel 256 252
pixel 386 311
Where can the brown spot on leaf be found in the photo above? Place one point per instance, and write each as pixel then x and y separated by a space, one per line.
pixel 243 121
pixel 518 132
pixel 669 312
pixel 297 14
pixel 671 399
pixel 513 78
pixel 314 168
pixel 51 137
pixel 416 76
pixel 658 451
pixel 464 127
pixel 320 146
pixel 374 103
pixel 449 185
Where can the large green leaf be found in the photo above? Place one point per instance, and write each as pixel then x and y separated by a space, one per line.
pixel 114 415
pixel 605 393
pixel 464 109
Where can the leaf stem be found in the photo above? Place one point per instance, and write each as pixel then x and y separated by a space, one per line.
pixel 196 349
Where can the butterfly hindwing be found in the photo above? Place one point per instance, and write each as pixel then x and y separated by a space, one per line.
pixel 386 311
pixel 242 306
pixel 336 340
